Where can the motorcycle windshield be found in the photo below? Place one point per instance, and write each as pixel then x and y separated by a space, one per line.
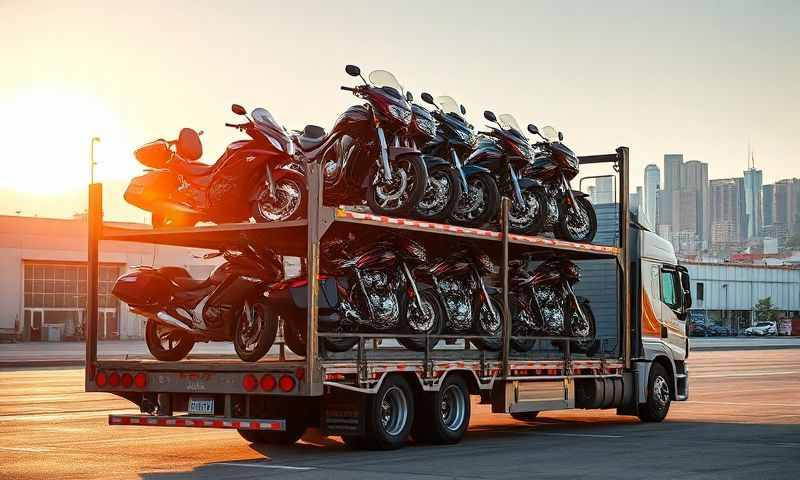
pixel 265 122
pixel 508 122
pixel 448 105
pixel 383 78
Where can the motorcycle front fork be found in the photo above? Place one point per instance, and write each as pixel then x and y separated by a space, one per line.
pixel 515 187
pixel 573 204
pixel 457 164
pixel 387 170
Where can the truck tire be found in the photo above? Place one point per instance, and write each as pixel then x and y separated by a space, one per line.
pixel 658 395
pixel 389 415
pixel 443 416
pixel 525 416
pixel 267 437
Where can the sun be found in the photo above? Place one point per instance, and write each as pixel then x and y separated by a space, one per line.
pixel 46 136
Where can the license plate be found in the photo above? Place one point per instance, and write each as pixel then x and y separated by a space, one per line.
pixel 201 406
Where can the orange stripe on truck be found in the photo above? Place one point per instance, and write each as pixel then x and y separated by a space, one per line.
pixel 650 323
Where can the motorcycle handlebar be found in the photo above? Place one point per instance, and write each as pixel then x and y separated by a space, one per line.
pixel 349 89
pixel 233 125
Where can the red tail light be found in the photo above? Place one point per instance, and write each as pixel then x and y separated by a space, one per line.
pixel 127 380
pixel 286 383
pixel 250 382
pixel 140 380
pixel 268 383
pixel 100 379
pixel 300 373
pixel 114 379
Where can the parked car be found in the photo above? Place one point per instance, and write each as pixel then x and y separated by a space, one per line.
pixel 698 330
pixel 718 331
pixel 762 328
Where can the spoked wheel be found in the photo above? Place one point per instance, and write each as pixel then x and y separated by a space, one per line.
pixel 585 329
pixel 489 325
pixel 255 331
pixel 479 204
pixel 522 325
pixel 288 203
pixel 398 196
pixel 441 195
pixel 578 224
pixel 443 416
pixel 167 344
pixel 528 220
pixel 389 414
pixel 429 321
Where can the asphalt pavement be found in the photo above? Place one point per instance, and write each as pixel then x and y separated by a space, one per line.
pixel 742 421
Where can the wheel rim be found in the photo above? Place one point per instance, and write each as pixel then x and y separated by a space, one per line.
pixel 660 392
pixel 524 217
pixel 168 338
pixel 578 224
pixel 453 408
pixel 580 326
pixel 394 195
pixel 394 410
pixel 252 326
pixel 436 195
pixel 424 321
pixel 284 205
pixel 490 324
pixel 472 202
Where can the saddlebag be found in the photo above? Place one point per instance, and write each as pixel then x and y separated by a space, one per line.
pixel 142 288
pixel 146 189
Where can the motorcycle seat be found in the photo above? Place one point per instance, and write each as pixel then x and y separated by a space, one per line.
pixel 312 137
pixel 180 277
pixel 190 169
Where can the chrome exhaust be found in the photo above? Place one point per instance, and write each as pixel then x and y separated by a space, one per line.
pixel 168 320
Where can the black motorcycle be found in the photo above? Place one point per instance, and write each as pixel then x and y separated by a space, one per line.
pixel 256 178
pixel 570 214
pixel 229 305
pixel 444 187
pixel 370 289
pixel 543 303
pixel 470 304
pixel 505 151
pixel 362 157
pixel 454 141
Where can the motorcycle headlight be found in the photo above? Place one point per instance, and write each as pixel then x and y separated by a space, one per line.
pixel 488 265
pixel 400 113
pixel 466 137
pixel 427 126
pixel 416 250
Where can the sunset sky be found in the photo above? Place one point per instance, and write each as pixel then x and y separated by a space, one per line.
pixel 692 77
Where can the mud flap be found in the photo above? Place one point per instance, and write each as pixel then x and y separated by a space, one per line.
pixel 342 412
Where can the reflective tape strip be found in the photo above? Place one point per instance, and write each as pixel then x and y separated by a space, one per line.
pixel 156 421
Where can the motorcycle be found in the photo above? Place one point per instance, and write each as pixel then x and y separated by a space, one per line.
pixel 480 198
pixel 471 306
pixel 444 187
pixel 368 289
pixel 543 303
pixel 570 214
pixel 505 151
pixel 229 305
pixel 362 157
pixel 255 178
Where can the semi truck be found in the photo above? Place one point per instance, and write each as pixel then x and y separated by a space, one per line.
pixel 378 396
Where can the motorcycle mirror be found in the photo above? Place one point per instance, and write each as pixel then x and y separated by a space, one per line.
pixel 409 97
pixel 560 137
pixel 463 110
pixel 532 128
pixel 238 109
pixel 488 115
pixel 352 70
pixel 427 98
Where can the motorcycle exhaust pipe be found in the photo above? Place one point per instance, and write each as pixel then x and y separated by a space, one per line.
pixel 168 320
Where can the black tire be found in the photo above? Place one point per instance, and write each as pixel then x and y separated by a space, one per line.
pixel 480 322
pixel 288 206
pixel 355 442
pixel 566 219
pixel 525 416
pixel 659 389
pixel 178 343
pixel 416 178
pixel 483 184
pixel 441 195
pixel 389 414
pixel 443 416
pixel 589 345
pixel 294 335
pixel 519 328
pixel 531 221
pixel 434 311
pixel 253 340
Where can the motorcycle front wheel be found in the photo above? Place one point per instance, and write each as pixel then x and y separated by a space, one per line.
pixel 479 204
pixel 528 220
pixel 520 326
pixel 585 331
pixel 430 321
pixel 488 326
pixel 399 196
pixel 255 331
pixel 577 224
pixel 441 195
pixel 288 203
pixel 166 344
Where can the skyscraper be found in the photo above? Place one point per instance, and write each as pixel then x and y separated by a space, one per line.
pixel 695 179
pixel 768 204
pixel 752 199
pixel 685 200
pixel 673 165
pixel 787 204
pixel 604 190
pixel 727 212
pixel 652 183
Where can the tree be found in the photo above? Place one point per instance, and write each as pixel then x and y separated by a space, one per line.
pixel 765 311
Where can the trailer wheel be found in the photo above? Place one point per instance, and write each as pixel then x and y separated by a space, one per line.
pixel 658 395
pixel 389 415
pixel 443 416
pixel 525 416
pixel 289 437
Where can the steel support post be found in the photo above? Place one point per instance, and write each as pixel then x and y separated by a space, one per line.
pixel 314 372
pixel 505 205
pixel 95 223
pixel 623 258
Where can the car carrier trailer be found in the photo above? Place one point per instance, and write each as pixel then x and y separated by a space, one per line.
pixel 373 396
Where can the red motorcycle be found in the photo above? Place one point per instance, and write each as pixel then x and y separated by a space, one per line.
pixel 362 157
pixel 256 178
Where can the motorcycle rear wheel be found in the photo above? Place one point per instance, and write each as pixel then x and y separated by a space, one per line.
pixel 254 339
pixel 177 346
pixel 408 198
pixel 441 195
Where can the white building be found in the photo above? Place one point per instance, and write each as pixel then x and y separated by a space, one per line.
pixel 652 183
pixel 43 278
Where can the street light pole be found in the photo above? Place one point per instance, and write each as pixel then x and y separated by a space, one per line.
pixel 91 155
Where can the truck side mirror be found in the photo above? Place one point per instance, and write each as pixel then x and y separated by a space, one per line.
pixel 687 300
